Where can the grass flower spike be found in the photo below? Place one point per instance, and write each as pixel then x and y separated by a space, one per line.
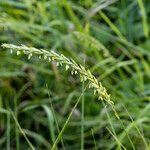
pixel 68 63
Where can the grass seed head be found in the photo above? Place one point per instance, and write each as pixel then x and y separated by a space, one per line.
pixel 68 63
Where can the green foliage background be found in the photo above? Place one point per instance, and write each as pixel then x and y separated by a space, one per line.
pixel 111 38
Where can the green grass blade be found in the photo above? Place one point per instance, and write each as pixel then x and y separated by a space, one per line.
pixel 144 18
pixel 95 145
pixel 111 24
pixel 19 127
pixel 67 121
pixel 50 122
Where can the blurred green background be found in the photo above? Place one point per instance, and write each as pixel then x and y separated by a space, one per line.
pixel 109 37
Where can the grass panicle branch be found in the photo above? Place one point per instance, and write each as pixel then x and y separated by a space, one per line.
pixel 68 63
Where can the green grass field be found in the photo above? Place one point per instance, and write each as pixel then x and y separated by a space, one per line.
pixel 77 76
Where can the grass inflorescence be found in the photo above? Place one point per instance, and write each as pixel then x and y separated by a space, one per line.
pixel 68 63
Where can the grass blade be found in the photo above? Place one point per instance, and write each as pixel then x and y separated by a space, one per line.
pixel 19 127
pixel 144 18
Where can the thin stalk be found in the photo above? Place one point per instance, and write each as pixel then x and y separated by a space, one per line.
pixel 57 126
pixel 82 120
pixel 123 127
pixel 113 130
pixel 95 145
pixel 16 128
pixel 8 131
pixel 139 132
pixel 67 121
pixel 116 139
pixel 19 127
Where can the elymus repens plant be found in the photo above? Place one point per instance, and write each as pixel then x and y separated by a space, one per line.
pixel 60 59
